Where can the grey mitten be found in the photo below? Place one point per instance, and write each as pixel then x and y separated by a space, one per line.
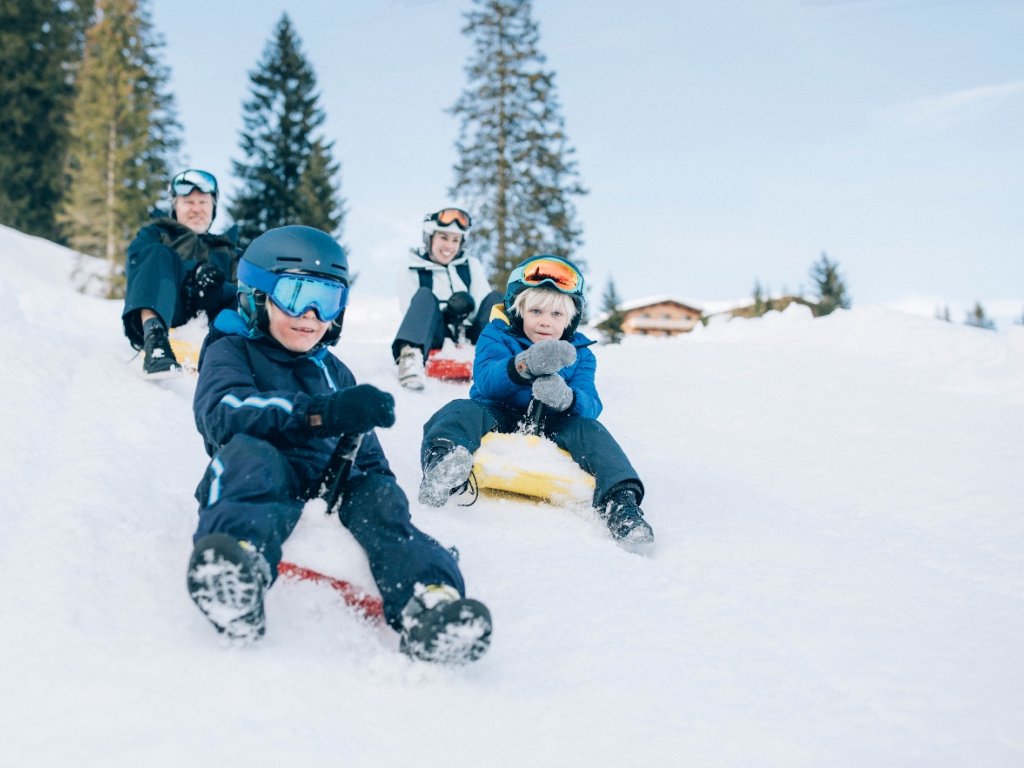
pixel 545 357
pixel 553 392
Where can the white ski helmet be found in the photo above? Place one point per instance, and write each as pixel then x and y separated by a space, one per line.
pixel 446 220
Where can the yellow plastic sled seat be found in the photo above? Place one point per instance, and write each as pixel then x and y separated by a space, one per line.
pixel 186 351
pixel 531 466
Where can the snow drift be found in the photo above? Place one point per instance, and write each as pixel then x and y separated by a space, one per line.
pixel 837 581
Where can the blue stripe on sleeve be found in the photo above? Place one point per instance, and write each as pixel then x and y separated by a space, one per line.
pixel 258 402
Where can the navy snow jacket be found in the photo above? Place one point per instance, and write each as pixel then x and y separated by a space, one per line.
pixel 258 388
pixel 496 381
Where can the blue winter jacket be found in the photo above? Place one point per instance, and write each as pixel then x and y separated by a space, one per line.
pixel 258 388
pixel 496 381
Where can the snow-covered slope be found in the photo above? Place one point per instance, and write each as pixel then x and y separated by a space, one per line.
pixel 839 578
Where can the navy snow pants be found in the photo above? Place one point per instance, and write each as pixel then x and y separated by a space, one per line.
pixel 465 422
pixel 423 326
pixel 155 276
pixel 252 493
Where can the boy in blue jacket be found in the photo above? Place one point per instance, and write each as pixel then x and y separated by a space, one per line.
pixel 536 353
pixel 271 404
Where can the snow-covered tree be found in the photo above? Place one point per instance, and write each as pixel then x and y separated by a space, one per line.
pixel 515 167
pixel 288 174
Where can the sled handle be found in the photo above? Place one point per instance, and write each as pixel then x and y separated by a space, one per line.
pixel 338 468
pixel 534 424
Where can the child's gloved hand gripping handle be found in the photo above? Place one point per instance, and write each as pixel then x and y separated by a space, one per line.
pixel 354 410
pixel 544 358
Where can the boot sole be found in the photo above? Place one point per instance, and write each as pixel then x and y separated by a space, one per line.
pixel 223 584
pixel 170 373
pixel 449 474
pixel 455 634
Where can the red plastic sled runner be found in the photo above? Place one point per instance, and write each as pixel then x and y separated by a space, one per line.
pixel 367 604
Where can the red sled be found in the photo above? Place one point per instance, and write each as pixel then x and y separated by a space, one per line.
pixel 441 366
pixel 369 605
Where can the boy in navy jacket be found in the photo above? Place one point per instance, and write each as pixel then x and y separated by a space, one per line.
pixel 536 353
pixel 271 404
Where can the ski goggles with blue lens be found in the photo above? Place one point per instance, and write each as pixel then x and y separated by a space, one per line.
pixel 186 182
pixel 549 270
pixel 295 293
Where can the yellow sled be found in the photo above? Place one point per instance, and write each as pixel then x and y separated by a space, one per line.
pixel 187 352
pixel 532 466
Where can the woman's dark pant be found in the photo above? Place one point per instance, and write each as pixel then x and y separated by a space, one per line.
pixel 423 326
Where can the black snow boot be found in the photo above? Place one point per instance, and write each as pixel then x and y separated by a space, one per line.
pixel 625 519
pixel 227 580
pixel 159 361
pixel 440 626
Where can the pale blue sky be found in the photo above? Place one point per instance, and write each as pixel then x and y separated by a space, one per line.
pixel 723 141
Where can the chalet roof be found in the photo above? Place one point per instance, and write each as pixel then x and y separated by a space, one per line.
pixel 629 306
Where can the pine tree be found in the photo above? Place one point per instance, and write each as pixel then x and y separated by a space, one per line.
pixel 515 164
pixel 288 173
pixel 123 135
pixel 760 307
pixel 319 204
pixel 943 314
pixel 830 285
pixel 40 47
pixel 614 317
pixel 978 319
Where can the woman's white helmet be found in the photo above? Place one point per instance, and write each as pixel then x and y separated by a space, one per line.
pixel 446 220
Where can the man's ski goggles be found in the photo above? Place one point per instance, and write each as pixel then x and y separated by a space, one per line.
pixel 295 293
pixel 456 216
pixel 186 182
pixel 551 270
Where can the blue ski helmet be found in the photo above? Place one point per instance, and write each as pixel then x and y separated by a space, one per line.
pixel 301 268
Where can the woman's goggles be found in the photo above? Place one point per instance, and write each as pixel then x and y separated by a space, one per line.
pixel 448 216
pixel 295 293
pixel 554 272
pixel 186 182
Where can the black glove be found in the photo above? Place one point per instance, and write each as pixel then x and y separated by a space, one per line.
pixel 553 392
pixel 545 357
pixel 202 289
pixel 460 306
pixel 354 410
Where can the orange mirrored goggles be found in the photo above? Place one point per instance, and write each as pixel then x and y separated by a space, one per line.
pixel 455 216
pixel 557 273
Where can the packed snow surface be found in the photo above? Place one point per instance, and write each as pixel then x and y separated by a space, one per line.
pixel 837 578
